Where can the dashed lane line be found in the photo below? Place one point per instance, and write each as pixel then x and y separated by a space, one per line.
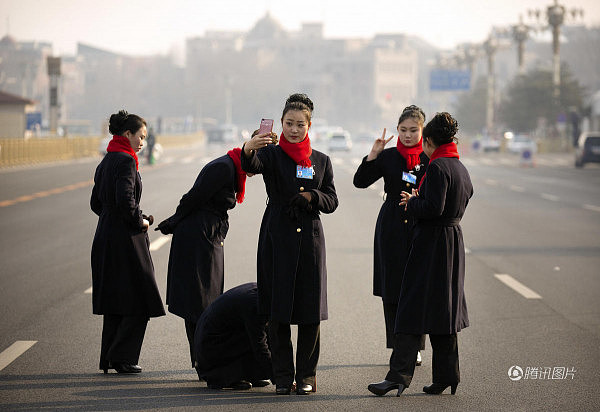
pixel 158 243
pixel 517 286
pixel 88 291
pixel 14 351
pixel 550 197
pixel 592 208
pixel 515 188
pixel 46 193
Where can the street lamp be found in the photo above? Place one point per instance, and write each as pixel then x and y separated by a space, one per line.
pixel 556 15
pixel 520 33
pixel 490 46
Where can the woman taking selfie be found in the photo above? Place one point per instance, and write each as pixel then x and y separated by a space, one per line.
pixel 124 289
pixel 292 276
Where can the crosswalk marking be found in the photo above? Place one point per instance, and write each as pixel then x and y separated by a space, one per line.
pixel 14 351
pixel 517 286
pixel 550 197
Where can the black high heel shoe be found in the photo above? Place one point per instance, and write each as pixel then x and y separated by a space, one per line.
pixel 383 387
pixel 437 388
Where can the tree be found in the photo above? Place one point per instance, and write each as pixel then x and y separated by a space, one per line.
pixel 530 97
pixel 470 107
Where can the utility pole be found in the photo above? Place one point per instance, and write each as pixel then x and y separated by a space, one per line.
pixel 490 46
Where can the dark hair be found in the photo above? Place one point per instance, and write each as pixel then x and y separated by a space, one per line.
pixel 120 122
pixel 413 112
pixel 441 129
pixel 298 101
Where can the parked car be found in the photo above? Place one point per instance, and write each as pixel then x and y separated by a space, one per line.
pixel 490 144
pixel 339 141
pixel 226 133
pixel 520 142
pixel 588 149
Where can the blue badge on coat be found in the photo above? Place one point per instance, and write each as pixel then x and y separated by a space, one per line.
pixel 304 172
pixel 409 177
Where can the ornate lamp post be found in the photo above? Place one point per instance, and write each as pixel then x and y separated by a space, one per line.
pixel 556 15
pixel 520 33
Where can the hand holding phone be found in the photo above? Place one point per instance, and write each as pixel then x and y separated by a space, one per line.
pixel 266 126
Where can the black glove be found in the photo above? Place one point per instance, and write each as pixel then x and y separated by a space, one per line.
pixel 300 202
pixel 149 218
pixel 165 227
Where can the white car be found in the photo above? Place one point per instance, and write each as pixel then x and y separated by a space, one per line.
pixel 519 143
pixel 339 141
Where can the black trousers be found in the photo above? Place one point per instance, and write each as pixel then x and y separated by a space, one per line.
pixel 122 338
pixel 445 358
pixel 282 353
pixel 190 331
pixel 389 313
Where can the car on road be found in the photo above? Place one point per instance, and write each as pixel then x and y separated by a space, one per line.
pixel 519 143
pixel 339 141
pixel 490 144
pixel 226 133
pixel 588 149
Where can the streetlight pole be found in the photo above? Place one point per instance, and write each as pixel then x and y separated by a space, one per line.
pixel 520 34
pixel 490 46
pixel 556 14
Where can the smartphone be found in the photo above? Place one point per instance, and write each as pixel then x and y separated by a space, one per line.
pixel 266 126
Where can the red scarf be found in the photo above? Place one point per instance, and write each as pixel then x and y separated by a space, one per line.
pixel 445 150
pixel 121 144
pixel 411 154
pixel 299 152
pixel 240 189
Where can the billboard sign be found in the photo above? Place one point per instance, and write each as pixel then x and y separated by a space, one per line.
pixel 449 80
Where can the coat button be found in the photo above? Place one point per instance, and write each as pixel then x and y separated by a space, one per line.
pixel 302 188
pixel 298 230
pixel 405 221
pixel 222 243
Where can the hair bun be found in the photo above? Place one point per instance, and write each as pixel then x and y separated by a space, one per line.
pixel 117 121
pixel 300 98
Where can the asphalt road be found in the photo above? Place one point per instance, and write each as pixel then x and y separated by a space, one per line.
pixel 536 225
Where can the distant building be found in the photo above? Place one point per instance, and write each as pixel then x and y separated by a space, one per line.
pixel 355 83
pixel 13 115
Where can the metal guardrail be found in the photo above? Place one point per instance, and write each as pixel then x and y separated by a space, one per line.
pixel 15 152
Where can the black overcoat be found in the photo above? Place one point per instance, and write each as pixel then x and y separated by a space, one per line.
pixel 291 269
pixel 200 224
pixel 432 299
pixel 230 343
pixel 393 230
pixel 122 271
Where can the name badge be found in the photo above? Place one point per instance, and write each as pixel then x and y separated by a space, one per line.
pixel 409 177
pixel 304 172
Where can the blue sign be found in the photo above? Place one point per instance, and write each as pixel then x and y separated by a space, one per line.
pixel 446 80
pixel 33 119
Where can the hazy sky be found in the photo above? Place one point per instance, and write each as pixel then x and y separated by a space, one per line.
pixel 149 26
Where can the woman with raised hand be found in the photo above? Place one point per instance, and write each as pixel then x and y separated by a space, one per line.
pixel 402 168
pixel 124 290
pixel 292 275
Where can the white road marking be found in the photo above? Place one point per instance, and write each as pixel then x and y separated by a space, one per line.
pixel 337 161
pixel 14 351
pixel 188 159
pixel 491 182
pixel 356 161
pixel 467 251
pixel 550 197
pixel 517 286
pixel 373 187
pixel 158 243
pixel 592 208
pixel 88 290
pixel 517 188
